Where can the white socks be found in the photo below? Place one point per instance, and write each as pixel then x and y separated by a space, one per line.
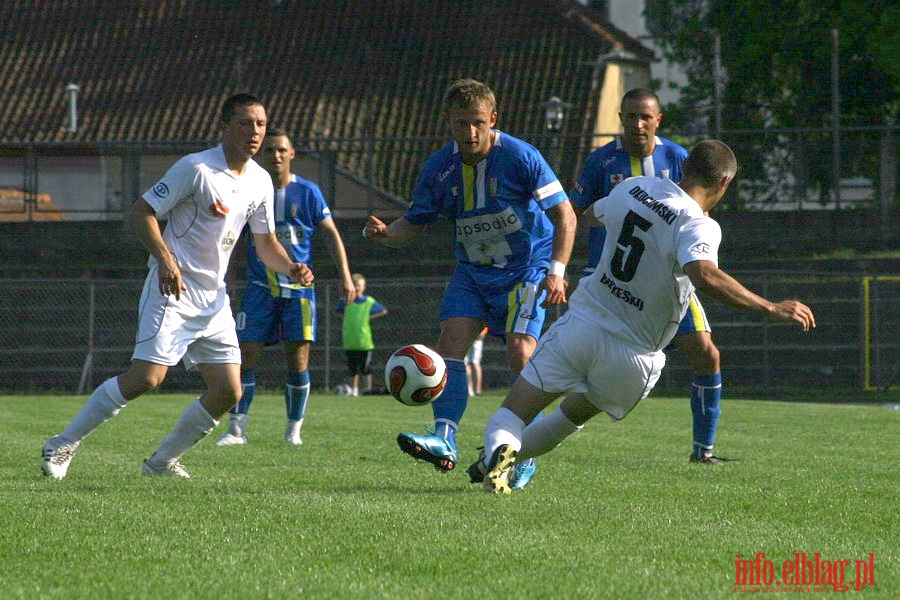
pixel 103 404
pixel 538 438
pixel 193 425
pixel 502 428
pixel 546 434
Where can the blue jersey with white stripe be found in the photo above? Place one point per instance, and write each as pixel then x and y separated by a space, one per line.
pixel 299 209
pixel 608 165
pixel 498 205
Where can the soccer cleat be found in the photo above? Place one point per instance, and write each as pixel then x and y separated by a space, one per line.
pixel 292 433
pixel 710 460
pixel 477 468
pixel 173 469
pixel 57 456
pixel 229 439
pixel 429 447
pixel 522 474
pixel 500 469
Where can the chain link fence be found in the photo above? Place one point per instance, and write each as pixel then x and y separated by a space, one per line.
pixel 780 169
pixel 68 335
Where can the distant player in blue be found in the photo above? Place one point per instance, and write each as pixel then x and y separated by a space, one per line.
pixel 274 308
pixel 639 151
pixel 514 233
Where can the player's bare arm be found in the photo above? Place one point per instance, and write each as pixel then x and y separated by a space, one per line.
pixel 589 217
pixel 565 223
pixel 146 225
pixel 276 258
pixel 338 253
pixel 399 233
pixel 715 282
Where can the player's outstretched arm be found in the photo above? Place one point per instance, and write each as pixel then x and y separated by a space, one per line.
pixel 146 225
pixel 565 223
pixel 338 253
pixel 276 258
pixel 588 216
pixel 399 233
pixel 715 282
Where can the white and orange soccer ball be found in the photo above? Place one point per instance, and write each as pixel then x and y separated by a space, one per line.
pixel 415 375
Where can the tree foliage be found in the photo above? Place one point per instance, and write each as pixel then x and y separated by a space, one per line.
pixel 776 58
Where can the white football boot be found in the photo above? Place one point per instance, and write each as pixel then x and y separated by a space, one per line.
pixel 292 433
pixel 57 454
pixel 229 439
pixel 172 469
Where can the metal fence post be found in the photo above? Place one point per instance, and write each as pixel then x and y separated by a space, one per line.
pixel 88 366
pixel 887 179
pixel 766 374
pixel 328 338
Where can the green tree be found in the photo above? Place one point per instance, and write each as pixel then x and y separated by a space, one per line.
pixel 776 58
pixel 776 62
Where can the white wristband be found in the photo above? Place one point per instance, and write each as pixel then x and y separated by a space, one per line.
pixel 556 268
pixel 365 233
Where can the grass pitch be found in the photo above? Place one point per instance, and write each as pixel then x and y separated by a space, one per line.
pixel 615 512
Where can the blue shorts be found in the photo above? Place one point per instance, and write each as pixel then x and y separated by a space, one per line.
pixel 508 301
pixel 694 319
pixel 265 318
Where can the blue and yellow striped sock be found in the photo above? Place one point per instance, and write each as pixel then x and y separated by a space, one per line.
pixel 706 391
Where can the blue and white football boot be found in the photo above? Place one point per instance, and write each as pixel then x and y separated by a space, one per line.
pixel 522 474
pixel 429 447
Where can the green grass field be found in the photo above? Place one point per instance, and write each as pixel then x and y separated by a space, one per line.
pixel 615 512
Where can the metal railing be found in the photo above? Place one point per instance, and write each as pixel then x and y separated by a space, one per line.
pixel 780 169
pixel 68 335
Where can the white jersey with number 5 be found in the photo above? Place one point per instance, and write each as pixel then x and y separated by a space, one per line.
pixel 207 206
pixel 639 292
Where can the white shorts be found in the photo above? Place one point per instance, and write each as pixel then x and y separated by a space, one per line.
pixel 198 328
pixel 473 356
pixel 574 356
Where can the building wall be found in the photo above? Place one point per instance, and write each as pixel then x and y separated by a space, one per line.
pixel 628 15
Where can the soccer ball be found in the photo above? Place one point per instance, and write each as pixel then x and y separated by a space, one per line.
pixel 343 390
pixel 415 375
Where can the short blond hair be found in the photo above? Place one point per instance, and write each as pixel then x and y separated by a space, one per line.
pixel 463 93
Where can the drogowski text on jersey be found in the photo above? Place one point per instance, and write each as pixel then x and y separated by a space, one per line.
pixel 664 211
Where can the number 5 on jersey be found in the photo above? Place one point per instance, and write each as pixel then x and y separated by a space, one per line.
pixel 624 268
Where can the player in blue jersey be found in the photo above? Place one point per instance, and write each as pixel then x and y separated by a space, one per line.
pixel 514 233
pixel 639 151
pixel 274 308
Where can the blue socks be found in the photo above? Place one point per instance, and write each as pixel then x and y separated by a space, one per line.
pixel 706 391
pixel 296 393
pixel 449 408
pixel 248 388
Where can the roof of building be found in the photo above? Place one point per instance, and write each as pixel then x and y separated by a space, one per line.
pixel 159 70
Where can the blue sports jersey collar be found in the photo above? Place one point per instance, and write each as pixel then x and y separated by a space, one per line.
pixel 497 137
pixel 656 140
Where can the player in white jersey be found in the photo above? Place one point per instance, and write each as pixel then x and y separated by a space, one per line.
pixel 606 354
pixel 639 151
pixel 185 314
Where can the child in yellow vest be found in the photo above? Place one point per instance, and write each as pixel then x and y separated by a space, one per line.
pixel 356 333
